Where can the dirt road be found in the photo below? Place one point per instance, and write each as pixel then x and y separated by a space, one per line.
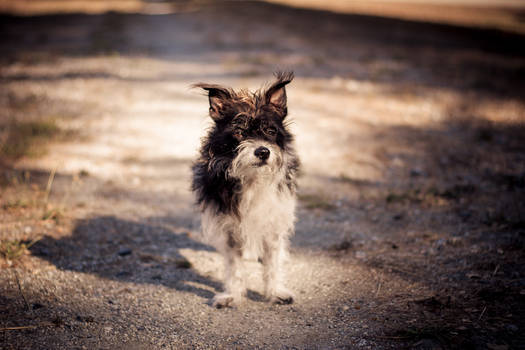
pixel 410 228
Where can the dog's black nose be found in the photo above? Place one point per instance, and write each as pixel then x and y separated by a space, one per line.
pixel 262 153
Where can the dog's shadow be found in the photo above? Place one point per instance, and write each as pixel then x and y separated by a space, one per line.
pixel 140 252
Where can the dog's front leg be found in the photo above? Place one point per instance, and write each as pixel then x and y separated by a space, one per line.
pixel 233 281
pixel 274 256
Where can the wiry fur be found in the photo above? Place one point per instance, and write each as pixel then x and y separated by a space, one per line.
pixel 248 200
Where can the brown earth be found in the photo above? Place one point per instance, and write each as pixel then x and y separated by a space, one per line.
pixel 411 223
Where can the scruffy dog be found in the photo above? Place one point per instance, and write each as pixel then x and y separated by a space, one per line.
pixel 245 184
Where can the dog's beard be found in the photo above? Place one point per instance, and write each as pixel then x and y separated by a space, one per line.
pixel 247 167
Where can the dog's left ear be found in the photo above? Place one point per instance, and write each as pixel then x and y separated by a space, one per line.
pixel 276 93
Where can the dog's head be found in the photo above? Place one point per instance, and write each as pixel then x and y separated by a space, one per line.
pixel 249 137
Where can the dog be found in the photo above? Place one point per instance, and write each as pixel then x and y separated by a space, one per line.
pixel 245 184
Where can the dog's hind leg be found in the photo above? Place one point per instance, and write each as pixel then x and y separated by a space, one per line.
pixel 273 258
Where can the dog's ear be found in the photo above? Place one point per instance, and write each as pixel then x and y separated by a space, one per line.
pixel 276 93
pixel 217 96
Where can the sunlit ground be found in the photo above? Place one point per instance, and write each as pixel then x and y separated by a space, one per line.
pixel 410 131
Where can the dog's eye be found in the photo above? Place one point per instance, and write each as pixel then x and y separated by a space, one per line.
pixel 270 131
pixel 238 133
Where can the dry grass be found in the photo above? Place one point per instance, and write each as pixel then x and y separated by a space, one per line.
pixel 55 214
pixel 17 204
pixel 12 250
pixel 28 138
pixel 313 201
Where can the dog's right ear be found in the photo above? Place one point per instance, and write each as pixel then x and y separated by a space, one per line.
pixel 217 96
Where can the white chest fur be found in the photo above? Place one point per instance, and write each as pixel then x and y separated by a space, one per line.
pixel 267 215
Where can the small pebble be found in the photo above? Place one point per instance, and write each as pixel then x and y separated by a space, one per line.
pixel 512 328
pixel 124 252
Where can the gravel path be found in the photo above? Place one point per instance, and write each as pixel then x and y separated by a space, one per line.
pixel 403 133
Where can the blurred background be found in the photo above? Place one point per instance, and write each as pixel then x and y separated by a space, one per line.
pixel 409 120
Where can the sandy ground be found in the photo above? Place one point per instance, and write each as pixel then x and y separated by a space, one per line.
pixel 410 228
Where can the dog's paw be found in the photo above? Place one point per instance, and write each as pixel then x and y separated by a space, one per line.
pixel 282 297
pixel 222 300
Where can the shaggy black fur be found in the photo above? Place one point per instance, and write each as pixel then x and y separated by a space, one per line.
pixel 240 116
